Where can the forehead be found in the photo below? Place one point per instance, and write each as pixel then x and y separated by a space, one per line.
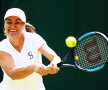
pixel 13 18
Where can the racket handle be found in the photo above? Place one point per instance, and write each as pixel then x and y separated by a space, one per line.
pixel 60 64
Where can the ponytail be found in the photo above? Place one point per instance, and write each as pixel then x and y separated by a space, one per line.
pixel 30 28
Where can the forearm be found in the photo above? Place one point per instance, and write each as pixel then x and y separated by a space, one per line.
pixel 49 53
pixel 21 72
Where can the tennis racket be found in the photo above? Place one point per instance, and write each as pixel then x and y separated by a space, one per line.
pixel 90 54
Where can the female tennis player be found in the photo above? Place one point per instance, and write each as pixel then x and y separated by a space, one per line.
pixel 20 55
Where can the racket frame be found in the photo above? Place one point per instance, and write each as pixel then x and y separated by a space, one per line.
pixel 75 66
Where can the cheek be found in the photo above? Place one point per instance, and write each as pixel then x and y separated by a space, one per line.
pixel 22 28
pixel 6 27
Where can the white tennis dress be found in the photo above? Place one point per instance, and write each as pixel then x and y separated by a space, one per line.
pixel 29 54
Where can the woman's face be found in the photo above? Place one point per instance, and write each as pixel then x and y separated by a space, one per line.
pixel 14 27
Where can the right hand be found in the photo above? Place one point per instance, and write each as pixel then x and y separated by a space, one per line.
pixel 40 69
pixel 52 68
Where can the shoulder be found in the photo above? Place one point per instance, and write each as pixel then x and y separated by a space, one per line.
pixel 33 36
pixel 4 56
pixel 35 39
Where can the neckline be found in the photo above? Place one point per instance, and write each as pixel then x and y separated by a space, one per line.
pixel 22 46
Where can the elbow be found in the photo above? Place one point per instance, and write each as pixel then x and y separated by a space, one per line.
pixel 12 77
pixel 16 77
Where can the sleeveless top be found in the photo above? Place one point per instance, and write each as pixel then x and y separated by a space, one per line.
pixel 29 54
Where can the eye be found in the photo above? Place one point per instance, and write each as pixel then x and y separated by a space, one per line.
pixel 17 23
pixel 9 23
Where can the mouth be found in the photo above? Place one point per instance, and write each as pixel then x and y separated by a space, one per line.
pixel 13 30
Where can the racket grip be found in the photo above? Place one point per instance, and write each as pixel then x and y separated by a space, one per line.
pixel 60 64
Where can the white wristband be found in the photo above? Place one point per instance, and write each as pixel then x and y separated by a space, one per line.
pixel 56 60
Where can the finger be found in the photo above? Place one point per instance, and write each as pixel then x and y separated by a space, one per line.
pixel 43 71
pixel 52 69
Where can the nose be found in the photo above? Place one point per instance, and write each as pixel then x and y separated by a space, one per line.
pixel 12 26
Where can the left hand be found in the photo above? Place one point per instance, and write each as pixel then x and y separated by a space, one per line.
pixel 52 68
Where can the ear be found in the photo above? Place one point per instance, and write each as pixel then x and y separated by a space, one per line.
pixel 4 31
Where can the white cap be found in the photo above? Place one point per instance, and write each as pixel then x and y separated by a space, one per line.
pixel 15 12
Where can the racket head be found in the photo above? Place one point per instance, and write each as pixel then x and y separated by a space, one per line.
pixel 91 51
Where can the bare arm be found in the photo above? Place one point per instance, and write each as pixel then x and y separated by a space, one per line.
pixel 14 72
pixel 49 53
pixel 8 65
pixel 52 57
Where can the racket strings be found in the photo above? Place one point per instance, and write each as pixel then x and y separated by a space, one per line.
pixel 92 52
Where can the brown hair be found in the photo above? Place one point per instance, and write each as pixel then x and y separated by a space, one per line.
pixel 30 28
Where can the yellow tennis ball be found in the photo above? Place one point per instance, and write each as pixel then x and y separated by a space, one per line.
pixel 70 41
pixel 76 58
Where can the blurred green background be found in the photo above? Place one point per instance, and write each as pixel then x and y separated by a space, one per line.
pixel 54 21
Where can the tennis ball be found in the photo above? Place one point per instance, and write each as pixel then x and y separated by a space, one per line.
pixel 70 41
pixel 76 58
